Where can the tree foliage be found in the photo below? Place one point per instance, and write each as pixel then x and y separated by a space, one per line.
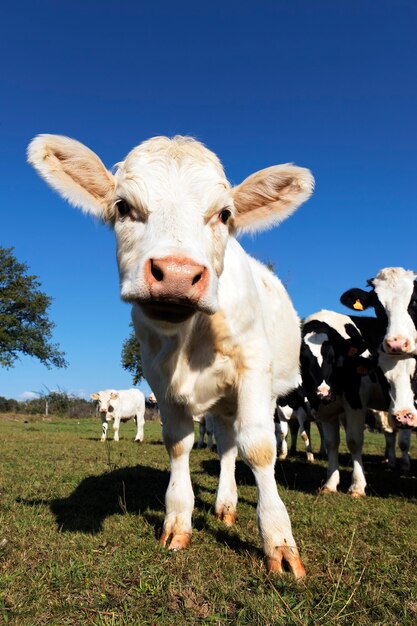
pixel 131 357
pixel 25 327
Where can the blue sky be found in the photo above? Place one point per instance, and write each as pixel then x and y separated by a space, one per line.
pixel 328 85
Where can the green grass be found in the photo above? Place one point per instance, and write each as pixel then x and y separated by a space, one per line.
pixel 81 519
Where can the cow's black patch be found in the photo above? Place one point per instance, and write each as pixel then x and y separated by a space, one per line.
pixel 412 307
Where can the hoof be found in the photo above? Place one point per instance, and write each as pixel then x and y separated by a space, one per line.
pixel 357 494
pixel 289 556
pixel 325 490
pixel 227 517
pixel 138 440
pixel 175 542
pixel 310 458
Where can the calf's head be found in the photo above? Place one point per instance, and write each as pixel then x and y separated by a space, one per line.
pixel 394 298
pixel 105 400
pixel 172 210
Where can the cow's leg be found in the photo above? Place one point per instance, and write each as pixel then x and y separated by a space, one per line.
pixel 210 436
pixel 304 424
pixel 355 426
pixel 404 441
pixel 201 432
pixel 294 428
pixel 322 451
pixel 104 427
pixel 331 433
pixel 281 433
pixel 140 422
pixel 116 426
pixel 257 447
pixel 226 500
pixel 178 435
pixel 390 438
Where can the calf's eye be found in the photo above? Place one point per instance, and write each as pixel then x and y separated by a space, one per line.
pixel 123 208
pixel 224 215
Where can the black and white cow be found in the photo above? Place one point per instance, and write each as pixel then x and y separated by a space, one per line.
pixel 351 363
pixel 294 414
pixel 336 367
pixel 394 299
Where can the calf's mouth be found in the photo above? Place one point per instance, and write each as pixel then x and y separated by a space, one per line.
pixel 173 311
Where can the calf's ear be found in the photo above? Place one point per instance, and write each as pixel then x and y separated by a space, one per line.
pixel 271 195
pixel 114 396
pixel 357 299
pixel 94 396
pixel 74 171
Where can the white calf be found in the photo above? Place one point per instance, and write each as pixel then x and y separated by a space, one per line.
pixel 120 406
pixel 217 329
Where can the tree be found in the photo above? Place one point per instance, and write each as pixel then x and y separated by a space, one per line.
pixel 25 327
pixel 131 357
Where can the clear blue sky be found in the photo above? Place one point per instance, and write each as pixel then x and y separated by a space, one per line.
pixel 328 85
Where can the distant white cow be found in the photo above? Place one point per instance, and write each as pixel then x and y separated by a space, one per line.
pixel 121 406
pixel 217 329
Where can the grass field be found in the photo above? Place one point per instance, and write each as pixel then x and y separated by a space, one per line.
pixel 78 522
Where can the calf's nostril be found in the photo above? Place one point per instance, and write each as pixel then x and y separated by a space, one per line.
pixel 156 271
pixel 197 278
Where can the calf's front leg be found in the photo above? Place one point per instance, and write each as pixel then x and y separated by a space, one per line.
pixel 178 435
pixel 256 444
pixel 116 426
pixel 226 499
pixel 104 428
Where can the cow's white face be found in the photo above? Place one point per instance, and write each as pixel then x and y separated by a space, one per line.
pixel 394 298
pixel 394 288
pixel 106 401
pixel 173 211
pixel 321 364
pixel 402 382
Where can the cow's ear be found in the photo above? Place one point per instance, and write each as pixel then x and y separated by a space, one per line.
pixel 270 195
pixel 74 171
pixel 357 299
pixel 114 395
pixel 94 396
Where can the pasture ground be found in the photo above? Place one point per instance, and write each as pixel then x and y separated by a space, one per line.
pixel 78 521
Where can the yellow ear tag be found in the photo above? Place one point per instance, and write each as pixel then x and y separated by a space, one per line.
pixel 358 305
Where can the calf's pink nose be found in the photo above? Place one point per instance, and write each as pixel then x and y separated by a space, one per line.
pixel 176 277
pixel 397 345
